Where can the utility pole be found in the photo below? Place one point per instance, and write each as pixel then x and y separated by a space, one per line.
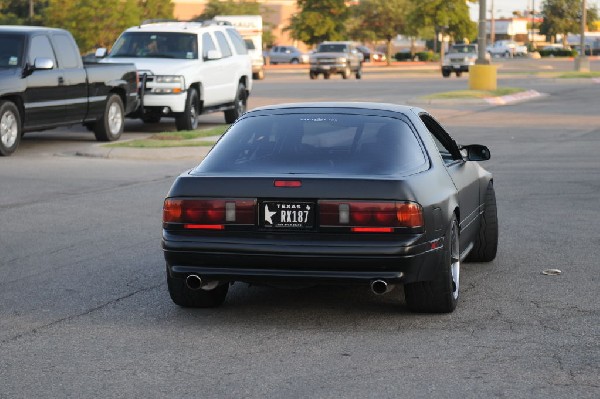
pixel 481 37
pixel 492 26
pixel 582 63
pixel 31 12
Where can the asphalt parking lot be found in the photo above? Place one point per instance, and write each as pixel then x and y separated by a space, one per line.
pixel 84 310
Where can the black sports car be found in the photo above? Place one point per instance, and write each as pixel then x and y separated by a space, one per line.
pixel 331 193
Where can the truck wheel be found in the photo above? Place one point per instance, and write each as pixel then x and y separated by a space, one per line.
pixel 313 75
pixel 10 128
pixel 110 126
pixel 187 298
pixel 359 73
pixel 458 74
pixel 239 105
pixel 441 294
pixel 188 119
pixel 260 75
pixel 446 74
pixel 326 75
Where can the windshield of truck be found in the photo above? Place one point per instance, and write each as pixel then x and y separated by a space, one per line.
pixel 332 48
pixel 11 50
pixel 156 45
pixel 463 49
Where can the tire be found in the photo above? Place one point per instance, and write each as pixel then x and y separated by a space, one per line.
pixel 10 128
pixel 441 294
pixel 313 75
pixel 346 73
pixel 110 126
pixel 458 74
pixel 188 119
pixel 445 74
pixel 486 243
pixel 326 75
pixel 187 298
pixel 240 104
pixel 294 61
pixel 359 73
pixel 260 75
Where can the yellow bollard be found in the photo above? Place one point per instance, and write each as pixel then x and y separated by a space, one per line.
pixel 482 77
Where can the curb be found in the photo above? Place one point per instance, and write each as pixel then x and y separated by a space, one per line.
pixel 514 98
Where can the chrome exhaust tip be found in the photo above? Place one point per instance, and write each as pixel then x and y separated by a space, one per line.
pixel 193 282
pixel 380 287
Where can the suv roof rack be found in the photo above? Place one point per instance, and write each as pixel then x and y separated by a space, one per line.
pixel 201 22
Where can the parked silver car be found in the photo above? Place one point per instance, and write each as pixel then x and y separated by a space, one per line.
pixel 287 55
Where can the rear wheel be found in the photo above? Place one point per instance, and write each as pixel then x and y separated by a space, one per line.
pixel 110 126
pixel 239 105
pixel 486 243
pixel 326 75
pixel 188 119
pixel 10 128
pixel 313 75
pixel 359 73
pixel 446 74
pixel 441 294
pixel 458 74
pixel 187 298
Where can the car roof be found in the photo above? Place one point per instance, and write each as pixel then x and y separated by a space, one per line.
pixel 27 29
pixel 178 26
pixel 404 109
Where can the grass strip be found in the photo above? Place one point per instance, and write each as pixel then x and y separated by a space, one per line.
pixel 187 138
pixel 466 94
pixel 579 75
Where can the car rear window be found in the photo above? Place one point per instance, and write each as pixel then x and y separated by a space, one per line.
pixel 316 144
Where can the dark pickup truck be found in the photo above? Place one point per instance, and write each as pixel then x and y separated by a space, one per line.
pixel 44 84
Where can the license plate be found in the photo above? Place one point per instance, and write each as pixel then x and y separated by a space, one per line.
pixel 287 215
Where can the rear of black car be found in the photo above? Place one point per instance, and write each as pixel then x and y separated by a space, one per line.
pixel 303 196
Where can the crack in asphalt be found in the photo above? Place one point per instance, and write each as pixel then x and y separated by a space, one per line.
pixel 73 317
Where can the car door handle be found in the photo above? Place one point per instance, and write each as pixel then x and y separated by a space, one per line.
pixel 61 81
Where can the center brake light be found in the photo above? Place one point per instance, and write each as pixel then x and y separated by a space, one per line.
pixel 371 216
pixel 209 214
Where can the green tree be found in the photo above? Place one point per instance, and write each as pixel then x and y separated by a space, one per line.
pixel 562 17
pixel 319 20
pixel 450 16
pixel 229 7
pixel 374 20
pixel 17 12
pixel 155 9
pixel 92 23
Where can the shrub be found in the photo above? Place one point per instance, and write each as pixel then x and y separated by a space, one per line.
pixel 558 53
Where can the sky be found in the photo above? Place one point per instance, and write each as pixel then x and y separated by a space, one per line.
pixel 504 8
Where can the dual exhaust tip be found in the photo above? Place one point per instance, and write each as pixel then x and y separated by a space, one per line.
pixel 194 283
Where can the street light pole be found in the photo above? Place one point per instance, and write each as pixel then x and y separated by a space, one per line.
pixel 481 37
pixel 582 64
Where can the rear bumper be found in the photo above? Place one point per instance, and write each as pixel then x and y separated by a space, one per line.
pixel 454 68
pixel 304 262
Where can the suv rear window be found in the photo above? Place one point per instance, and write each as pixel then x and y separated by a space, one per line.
pixel 315 143
pixel 333 48
pixel 156 45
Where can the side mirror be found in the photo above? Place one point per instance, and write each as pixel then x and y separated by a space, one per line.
pixel 43 63
pixel 213 55
pixel 101 52
pixel 476 152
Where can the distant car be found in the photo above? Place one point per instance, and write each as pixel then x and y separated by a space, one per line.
pixel 506 48
pixel 286 55
pixel 336 58
pixel 331 193
pixel 371 55
pixel 458 59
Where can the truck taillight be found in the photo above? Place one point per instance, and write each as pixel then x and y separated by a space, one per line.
pixel 370 216
pixel 209 213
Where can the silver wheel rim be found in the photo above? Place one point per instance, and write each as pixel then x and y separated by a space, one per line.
pixel 8 129
pixel 455 261
pixel 115 118
pixel 241 105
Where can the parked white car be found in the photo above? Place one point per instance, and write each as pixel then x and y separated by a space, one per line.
pixel 187 69
pixel 506 48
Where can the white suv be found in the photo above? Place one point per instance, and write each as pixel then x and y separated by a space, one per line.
pixel 186 69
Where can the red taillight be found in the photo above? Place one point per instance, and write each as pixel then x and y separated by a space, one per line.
pixel 210 214
pixel 369 216
pixel 287 183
